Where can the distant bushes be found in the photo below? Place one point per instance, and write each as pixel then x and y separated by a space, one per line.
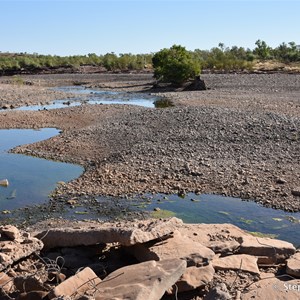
pixel 219 58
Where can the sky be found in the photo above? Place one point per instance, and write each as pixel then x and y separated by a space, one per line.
pixel 74 27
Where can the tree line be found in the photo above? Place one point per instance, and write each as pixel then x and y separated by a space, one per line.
pixel 217 58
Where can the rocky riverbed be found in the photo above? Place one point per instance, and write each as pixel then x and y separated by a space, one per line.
pixel 239 138
pixel 150 259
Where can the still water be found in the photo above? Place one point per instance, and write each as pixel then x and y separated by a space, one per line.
pixel 31 179
pixel 247 215
pixel 93 96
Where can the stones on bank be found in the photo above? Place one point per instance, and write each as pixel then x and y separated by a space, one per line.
pixel 151 259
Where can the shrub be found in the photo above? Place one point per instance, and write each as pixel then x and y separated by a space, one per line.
pixel 175 65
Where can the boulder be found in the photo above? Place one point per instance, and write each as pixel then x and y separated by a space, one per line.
pixel 148 280
pixel 193 277
pixel 267 247
pixel 127 233
pixel 177 246
pixel 243 262
pixel 10 232
pixel 77 285
pixel 293 265
pixel 273 288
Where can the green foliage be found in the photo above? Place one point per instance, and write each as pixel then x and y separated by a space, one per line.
pixel 262 50
pixel 175 65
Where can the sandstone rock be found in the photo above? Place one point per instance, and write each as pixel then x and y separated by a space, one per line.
pixel 218 292
pixel 177 246
pixel 126 234
pixel 224 248
pixel 241 262
pixel 193 278
pixel 12 251
pixel 205 234
pixel 76 285
pixel 293 265
pixel 6 282
pixel 279 250
pixel 148 280
pixel 11 232
pixel 273 288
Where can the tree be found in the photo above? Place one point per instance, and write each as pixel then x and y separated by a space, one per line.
pixel 175 65
pixel 262 50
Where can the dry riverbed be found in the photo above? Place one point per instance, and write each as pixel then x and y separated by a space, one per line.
pixel 239 138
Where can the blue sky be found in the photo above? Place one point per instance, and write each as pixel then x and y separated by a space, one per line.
pixel 82 27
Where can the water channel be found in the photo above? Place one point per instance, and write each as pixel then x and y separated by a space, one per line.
pixel 32 180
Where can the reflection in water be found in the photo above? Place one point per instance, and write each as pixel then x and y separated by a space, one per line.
pixel 30 179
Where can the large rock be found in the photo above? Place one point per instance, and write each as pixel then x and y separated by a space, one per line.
pixel 177 246
pixel 223 247
pixel 218 292
pixel 193 277
pixel 273 288
pixel 148 280
pixel 267 247
pixel 127 233
pixel 241 262
pixel 206 234
pixel 77 285
pixel 15 245
pixel 293 265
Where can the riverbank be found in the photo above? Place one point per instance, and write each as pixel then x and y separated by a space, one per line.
pixel 239 138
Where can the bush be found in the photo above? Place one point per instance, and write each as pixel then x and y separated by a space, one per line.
pixel 175 65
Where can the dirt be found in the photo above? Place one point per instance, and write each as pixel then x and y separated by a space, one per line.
pixel 239 138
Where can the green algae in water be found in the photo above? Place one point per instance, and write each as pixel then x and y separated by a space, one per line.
pixel 162 213
pixel 263 235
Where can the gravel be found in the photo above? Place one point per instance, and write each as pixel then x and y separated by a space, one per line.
pixel 240 138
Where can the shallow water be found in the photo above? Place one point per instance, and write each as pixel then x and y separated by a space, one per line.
pixel 93 96
pixel 31 179
pixel 218 209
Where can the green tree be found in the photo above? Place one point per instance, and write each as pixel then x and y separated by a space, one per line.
pixel 262 50
pixel 175 65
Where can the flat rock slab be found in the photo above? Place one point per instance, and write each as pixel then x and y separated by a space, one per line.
pixel 205 234
pixel 193 277
pixel 241 262
pixel 177 246
pixel 273 288
pixel 126 233
pixel 148 280
pixel 267 247
pixel 293 265
pixel 76 286
pixel 15 245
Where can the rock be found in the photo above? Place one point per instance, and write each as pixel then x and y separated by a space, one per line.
pixel 4 182
pixel 293 265
pixel 193 278
pixel 10 232
pixel 205 234
pixel 273 288
pixel 218 292
pixel 224 248
pixel 241 262
pixel 296 193
pixel 147 280
pixel 177 246
pixel 197 85
pixel 29 283
pixel 279 250
pixel 126 234
pixel 22 246
pixel 6 282
pixel 77 285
